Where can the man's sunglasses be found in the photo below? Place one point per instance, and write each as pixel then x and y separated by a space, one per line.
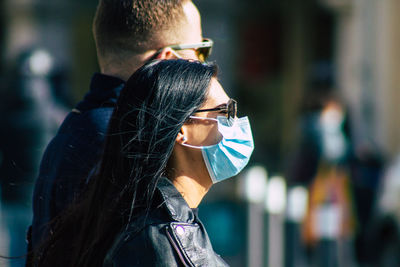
pixel 230 109
pixel 202 49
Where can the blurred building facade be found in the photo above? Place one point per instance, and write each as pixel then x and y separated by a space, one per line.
pixel 366 53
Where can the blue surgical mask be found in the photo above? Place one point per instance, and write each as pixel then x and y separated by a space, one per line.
pixel 232 153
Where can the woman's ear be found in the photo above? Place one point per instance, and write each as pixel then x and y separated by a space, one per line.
pixel 167 53
pixel 181 138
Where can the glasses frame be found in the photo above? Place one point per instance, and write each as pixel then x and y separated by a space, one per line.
pixel 230 108
pixel 206 43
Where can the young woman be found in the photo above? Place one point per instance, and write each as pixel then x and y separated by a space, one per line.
pixel 173 133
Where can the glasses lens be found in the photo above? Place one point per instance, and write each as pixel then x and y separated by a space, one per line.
pixel 232 108
pixel 203 53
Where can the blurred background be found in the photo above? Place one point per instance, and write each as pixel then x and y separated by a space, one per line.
pixel 320 82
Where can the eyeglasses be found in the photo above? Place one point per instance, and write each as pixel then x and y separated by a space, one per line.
pixel 202 49
pixel 230 109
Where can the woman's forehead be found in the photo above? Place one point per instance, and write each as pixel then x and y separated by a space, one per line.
pixel 216 95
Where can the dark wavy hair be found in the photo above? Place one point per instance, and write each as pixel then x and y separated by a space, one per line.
pixel 155 103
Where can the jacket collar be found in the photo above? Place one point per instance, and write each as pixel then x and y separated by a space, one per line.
pixel 104 91
pixel 176 206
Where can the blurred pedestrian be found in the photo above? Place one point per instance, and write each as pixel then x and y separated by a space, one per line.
pixel 30 116
pixel 321 162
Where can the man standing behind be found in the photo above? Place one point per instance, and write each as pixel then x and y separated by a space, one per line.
pixel 127 34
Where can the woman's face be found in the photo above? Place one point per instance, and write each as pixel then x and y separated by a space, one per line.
pixel 205 132
pixel 198 132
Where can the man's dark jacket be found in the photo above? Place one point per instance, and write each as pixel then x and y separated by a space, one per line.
pixel 73 153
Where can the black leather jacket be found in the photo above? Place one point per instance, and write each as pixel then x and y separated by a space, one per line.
pixel 171 235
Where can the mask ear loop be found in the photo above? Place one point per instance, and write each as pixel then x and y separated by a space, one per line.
pixel 184 139
pixel 203 118
pixel 191 146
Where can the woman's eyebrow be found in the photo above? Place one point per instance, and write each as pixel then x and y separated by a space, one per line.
pixel 223 105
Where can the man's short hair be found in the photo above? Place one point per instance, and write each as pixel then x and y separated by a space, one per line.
pixel 134 26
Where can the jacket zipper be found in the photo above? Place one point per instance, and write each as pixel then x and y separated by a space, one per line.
pixel 176 248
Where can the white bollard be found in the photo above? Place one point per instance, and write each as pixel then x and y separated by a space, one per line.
pixel 275 205
pixel 255 185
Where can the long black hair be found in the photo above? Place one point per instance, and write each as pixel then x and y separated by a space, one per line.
pixel 153 106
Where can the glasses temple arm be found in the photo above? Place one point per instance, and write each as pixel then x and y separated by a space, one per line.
pixel 210 109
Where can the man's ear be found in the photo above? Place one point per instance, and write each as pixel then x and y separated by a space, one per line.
pixel 167 53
